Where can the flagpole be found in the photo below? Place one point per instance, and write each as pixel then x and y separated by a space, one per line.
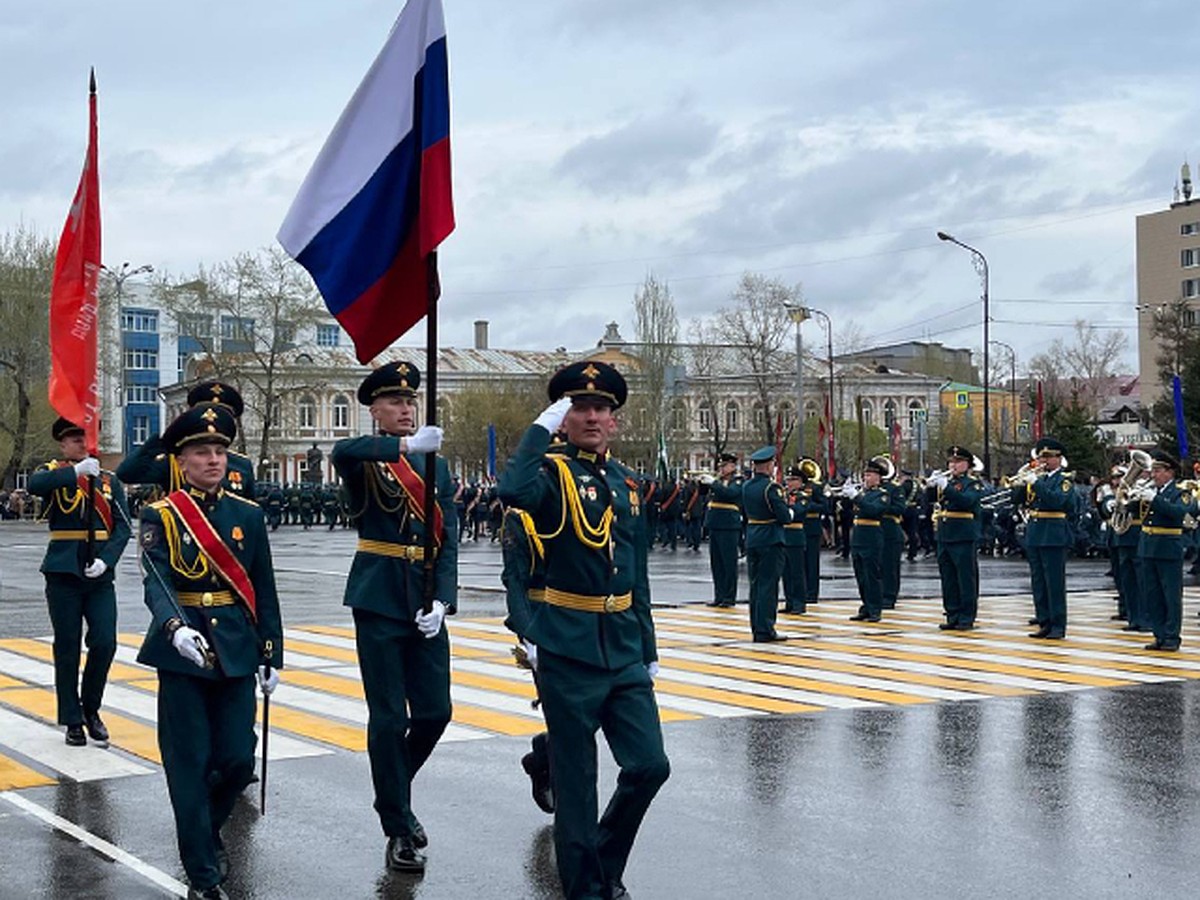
pixel 434 291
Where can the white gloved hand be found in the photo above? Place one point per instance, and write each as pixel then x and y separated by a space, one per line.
pixel 652 670
pixel 552 416
pixel 430 623
pixel 95 568
pixel 531 653
pixel 267 680
pixel 191 645
pixel 940 480
pixel 89 466
pixel 428 439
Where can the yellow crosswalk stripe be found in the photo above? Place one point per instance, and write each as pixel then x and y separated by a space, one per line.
pixel 6 682
pixel 44 651
pixel 14 775
pixel 127 734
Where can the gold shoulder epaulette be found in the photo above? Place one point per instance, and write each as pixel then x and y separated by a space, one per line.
pixel 239 498
pixel 159 504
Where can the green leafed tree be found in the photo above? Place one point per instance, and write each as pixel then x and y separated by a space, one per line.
pixel 508 406
pixel 1178 340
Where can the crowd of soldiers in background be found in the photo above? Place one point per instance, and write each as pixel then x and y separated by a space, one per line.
pixel 675 510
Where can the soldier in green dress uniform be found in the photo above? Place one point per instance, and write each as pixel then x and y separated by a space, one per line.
pixel 1166 505
pixel 79 587
pixel 817 504
pixel 866 537
pixel 151 463
pixel 893 542
pixel 766 514
pixel 795 544
pixel 723 519
pixel 210 588
pixel 593 633
pixel 1048 492
pixel 403 651
pixel 957 519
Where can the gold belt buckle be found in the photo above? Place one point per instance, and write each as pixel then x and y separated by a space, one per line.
pixel 610 604
pixel 206 599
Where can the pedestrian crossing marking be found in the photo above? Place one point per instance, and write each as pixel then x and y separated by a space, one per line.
pixel 14 775
pixel 710 668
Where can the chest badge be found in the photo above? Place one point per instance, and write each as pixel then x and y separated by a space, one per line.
pixel 237 533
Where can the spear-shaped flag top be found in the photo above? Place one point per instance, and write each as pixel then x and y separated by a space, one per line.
pixel 73 306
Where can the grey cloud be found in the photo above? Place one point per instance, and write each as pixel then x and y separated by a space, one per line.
pixel 644 154
pixel 1070 281
pixel 230 167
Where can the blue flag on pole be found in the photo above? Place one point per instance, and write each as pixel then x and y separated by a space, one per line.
pixel 1180 427
pixel 491 451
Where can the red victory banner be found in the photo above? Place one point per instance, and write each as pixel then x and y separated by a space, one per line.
pixel 74 314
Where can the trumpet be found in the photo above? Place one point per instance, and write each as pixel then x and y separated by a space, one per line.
pixel 1027 474
pixel 1131 487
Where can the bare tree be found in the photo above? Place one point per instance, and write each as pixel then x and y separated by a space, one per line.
pixel 850 338
pixel 26 271
pixel 245 316
pixel 657 334
pixel 757 325
pixel 706 353
pixel 1080 371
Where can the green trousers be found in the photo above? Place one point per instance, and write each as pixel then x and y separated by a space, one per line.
pixel 578 700
pixel 764 566
pixel 206 737
pixel 406 679
pixel 73 601
pixel 958 566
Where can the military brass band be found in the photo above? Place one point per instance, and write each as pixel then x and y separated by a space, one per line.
pixel 578 528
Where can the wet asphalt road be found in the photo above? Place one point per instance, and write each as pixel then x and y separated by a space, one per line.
pixel 1087 794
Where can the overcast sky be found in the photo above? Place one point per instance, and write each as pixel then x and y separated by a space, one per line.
pixel 597 140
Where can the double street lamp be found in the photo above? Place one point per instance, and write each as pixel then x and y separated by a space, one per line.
pixel 981 266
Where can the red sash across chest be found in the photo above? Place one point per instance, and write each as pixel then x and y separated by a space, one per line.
pixel 103 507
pixel 228 567
pixel 414 487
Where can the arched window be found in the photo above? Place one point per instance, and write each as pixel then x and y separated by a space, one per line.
pixel 307 412
pixel 341 413
pixel 732 417
pixel 757 415
pixel 889 414
pixel 788 412
pixel 704 413
pixel 868 412
pixel 810 410
pixel 916 413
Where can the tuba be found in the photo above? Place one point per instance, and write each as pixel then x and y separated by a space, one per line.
pixel 889 467
pixel 810 469
pixel 1139 465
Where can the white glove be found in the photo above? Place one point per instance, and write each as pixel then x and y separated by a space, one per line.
pixel 267 680
pixel 428 439
pixel 940 480
pixel 430 623
pixel 95 568
pixel 552 416
pixel 89 466
pixel 652 670
pixel 531 654
pixel 191 645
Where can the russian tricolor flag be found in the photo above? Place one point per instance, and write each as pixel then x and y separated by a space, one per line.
pixel 377 201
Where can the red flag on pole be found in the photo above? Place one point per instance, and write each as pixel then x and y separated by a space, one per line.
pixel 895 442
pixel 1039 413
pixel 73 309
pixel 778 446
pixel 830 462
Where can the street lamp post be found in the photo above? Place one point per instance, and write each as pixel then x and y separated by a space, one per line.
pixel 981 266
pixel 829 358
pixel 798 314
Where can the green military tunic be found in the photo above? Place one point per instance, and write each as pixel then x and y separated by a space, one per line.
pixel 957 522
pixel 595 639
pixel 818 504
pixel 73 599
pixel 206 715
pixel 152 464
pixel 1161 555
pixel 1128 566
pixel 406 676
pixel 766 514
pixel 866 548
pixel 1049 499
pixel 795 554
pixel 723 519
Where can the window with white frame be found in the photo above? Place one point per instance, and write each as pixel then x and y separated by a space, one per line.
pixel 141 359
pixel 732 417
pixel 1190 288
pixel 341 412
pixel 143 320
pixel 916 413
pixel 889 414
pixel 867 413
pixel 328 335
pixel 1189 228
pixel 141 393
pixel 1189 257
pixel 141 430
pixel 704 414
pixel 307 412
pixel 679 416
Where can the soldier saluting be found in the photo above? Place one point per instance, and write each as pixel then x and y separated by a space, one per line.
pixel 152 462
pixel 594 638
pixel 210 587
pixel 79 586
pixel 403 651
